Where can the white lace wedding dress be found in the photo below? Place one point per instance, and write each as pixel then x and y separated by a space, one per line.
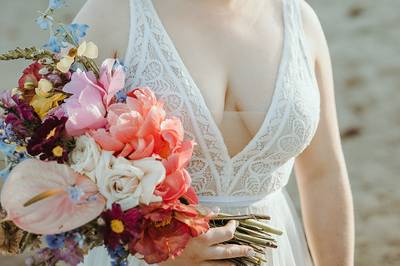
pixel 253 180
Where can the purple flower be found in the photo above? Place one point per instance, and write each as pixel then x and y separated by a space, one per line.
pixel 121 227
pixel 6 100
pixel 66 247
pixel 47 141
pixel 22 118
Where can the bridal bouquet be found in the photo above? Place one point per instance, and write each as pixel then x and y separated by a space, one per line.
pixel 88 164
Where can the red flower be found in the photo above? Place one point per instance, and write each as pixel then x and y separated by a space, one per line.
pixel 167 230
pixel 29 80
pixel 30 76
pixel 121 227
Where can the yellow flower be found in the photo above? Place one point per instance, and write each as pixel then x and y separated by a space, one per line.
pixel 117 226
pixel 88 50
pixel 65 63
pixel 58 151
pixel 44 88
pixel 85 49
pixel 43 105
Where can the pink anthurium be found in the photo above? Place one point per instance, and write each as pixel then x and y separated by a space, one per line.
pixel 49 198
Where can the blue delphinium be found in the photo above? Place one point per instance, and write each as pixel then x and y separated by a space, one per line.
pixel 77 31
pixel 119 256
pixel 121 96
pixel 75 194
pixel 55 4
pixel 44 21
pixel 54 44
pixel 60 34
pixel 8 147
pixel 55 241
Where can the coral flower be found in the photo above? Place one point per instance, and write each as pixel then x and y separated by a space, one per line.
pixel 167 230
pixel 121 227
pixel 177 181
pixel 176 154
pixel 133 127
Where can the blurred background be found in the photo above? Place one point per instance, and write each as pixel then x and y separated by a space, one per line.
pixel 364 39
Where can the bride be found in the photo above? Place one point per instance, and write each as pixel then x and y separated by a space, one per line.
pixel 252 81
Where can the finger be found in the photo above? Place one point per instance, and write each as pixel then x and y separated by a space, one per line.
pixel 221 234
pixel 228 251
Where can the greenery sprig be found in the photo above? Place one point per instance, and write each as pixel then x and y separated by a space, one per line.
pixel 31 53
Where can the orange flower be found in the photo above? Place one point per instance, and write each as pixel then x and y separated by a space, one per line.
pixel 167 230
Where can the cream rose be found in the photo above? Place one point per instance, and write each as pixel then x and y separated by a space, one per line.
pixel 85 156
pixel 128 183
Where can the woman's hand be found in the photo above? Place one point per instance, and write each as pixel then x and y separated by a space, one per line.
pixel 207 250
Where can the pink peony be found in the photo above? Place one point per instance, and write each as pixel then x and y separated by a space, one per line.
pixel 112 79
pixel 87 107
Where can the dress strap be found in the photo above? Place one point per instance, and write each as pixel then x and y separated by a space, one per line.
pixel 294 24
pixel 135 52
pixel 132 31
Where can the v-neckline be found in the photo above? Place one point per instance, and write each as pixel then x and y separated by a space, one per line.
pixel 273 100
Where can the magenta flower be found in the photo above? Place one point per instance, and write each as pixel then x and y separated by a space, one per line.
pixel 22 118
pixel 47 141
pixel 121 227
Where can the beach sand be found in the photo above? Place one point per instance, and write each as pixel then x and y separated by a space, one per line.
pixel 365 46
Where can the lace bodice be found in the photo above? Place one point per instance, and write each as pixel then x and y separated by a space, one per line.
pixel 265 164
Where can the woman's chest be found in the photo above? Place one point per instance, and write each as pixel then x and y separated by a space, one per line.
pixel 233 59
pixel 234 71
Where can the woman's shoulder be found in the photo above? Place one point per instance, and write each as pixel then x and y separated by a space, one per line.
pixel 109 25
pixel 313 30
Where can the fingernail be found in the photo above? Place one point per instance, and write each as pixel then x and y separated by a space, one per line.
pixel 251 253
pixel 237 223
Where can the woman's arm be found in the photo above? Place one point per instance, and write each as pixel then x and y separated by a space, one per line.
pixel 324 187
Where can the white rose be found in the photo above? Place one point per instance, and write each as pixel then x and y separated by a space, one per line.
pixel 85 156
pixel 128 183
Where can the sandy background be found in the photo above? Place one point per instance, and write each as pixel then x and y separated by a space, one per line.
pixel 364 39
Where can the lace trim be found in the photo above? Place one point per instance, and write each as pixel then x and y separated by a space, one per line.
pixel 265 163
